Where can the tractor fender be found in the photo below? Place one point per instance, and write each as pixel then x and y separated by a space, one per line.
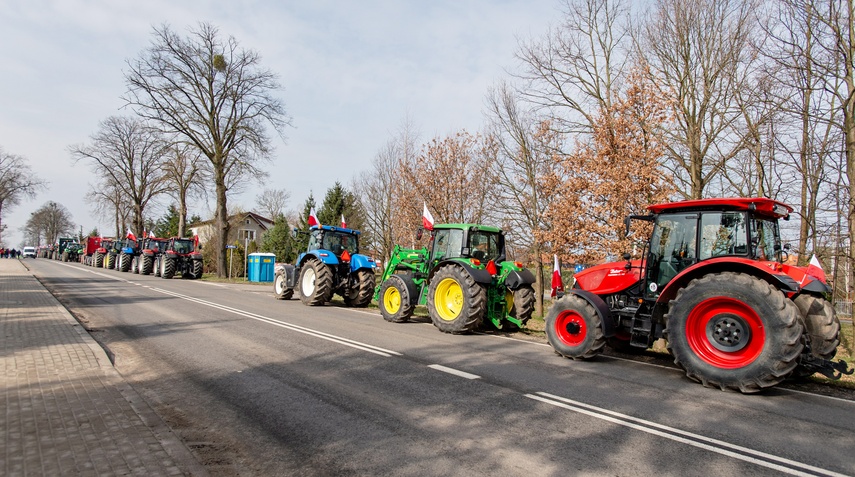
pixel 361 261
pixel 781 281
pixel 516 279
pixel 816 287
pixel 324 256
pixel 479 275
pixel 290 273
pixel 606 318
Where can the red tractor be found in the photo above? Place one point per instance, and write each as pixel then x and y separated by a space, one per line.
pixel 179 256
pixel 715 284
pixel 150 248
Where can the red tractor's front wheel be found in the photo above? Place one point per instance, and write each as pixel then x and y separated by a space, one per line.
pixel 734 331
pixel 574 329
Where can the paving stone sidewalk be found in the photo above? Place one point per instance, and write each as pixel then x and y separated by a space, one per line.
pixel 67 411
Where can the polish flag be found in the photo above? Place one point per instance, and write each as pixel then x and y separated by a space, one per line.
pixel 557 285
pixel 343 223
pixel 131 235
pixel 427 218
pixel 195 242
pixel 313 218
pixel 815 269
pixel 150 234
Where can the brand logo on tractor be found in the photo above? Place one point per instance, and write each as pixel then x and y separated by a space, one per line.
pixel 616 272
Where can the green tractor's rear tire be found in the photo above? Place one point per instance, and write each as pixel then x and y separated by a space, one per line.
pixel 316 283
pixel 734 331
pixel 360 295
pixel 395 300
pixel 521 304
pixel 456 302
pixel 574 329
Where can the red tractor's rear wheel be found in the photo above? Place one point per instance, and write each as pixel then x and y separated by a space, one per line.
pixel 734 331
pixel 574 329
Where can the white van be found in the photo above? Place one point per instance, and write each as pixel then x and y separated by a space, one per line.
pixel 30 252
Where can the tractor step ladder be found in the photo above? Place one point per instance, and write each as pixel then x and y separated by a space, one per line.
pixel 641 334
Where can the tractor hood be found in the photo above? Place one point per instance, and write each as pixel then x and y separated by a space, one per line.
pixel 608 278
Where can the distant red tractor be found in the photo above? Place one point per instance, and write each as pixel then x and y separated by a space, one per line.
pixel 150 249
pixel 90 246
pixel 179 257
pixel 714 283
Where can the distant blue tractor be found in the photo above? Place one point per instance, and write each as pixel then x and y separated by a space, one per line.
pixel 331 265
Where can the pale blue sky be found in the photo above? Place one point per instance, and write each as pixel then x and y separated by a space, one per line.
pixel 351 70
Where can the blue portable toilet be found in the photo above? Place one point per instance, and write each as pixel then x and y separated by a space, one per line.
pixel 261 268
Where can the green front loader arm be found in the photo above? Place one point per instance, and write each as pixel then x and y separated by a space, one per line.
pixel 414 261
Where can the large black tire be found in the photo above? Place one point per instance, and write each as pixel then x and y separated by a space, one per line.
pixel 822 327
pixel 574 329
pixel 280 291
pixel 396 300
pixel 734 331
pixel 521 304
pixel 124 263
pixel 197 270
pixel 316 283
pixel 456 302
pixel 108 261
pixel 359 296
pixel 98 260
pixel 146 265
pixel 167 268
pixel 135 264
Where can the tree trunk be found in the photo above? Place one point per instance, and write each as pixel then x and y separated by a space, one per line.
pixel 222 222
pixel 182 212
pixel 538 286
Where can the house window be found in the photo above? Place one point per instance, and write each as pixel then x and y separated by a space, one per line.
pixel 246 234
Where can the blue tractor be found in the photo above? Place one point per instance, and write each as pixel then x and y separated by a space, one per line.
pixel 331 265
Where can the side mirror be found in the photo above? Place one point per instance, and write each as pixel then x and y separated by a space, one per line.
pixel 294 233
pixel 419 233
pixel 626 222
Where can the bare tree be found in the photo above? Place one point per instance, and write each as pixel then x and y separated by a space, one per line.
pixel 272 202
pixel 129 156
pixel 16 182
pixel 108 202
pixel 575 69
pixel 698 52
pixel 376 188
pixel 528 146
pixel 213 94
pixel 185 171
pixel 50 221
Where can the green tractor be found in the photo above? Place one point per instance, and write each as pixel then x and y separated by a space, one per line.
pixel 462 276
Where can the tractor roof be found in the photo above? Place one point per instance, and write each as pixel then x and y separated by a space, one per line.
pixel 334 228
pixel 485 228
pixel 762 205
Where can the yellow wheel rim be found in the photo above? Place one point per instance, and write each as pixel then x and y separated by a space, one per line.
pixel 509 302
pixel 448 299
pixel 392 300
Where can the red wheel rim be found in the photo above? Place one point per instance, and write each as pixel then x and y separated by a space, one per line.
pixel 571 328
pixel 707 329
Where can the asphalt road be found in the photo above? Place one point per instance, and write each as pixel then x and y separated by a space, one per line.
pixel 257 386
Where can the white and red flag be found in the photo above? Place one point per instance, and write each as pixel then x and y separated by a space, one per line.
pixel 131 235
pixel 427 218
pixel 313 218
pixel 557 284
pixel 343 222
pixel 815 269
pixel 150 234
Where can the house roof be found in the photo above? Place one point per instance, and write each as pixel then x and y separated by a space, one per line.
pixel 263 222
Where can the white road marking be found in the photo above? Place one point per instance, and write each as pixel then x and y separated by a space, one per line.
pixel 300 329
pixel 456 372
pixel 763 459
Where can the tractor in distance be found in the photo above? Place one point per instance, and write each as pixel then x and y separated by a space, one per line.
pixel 464 279
pixel 150 249
pixel 61 245
pixel 101 253
pixel 72 252
pixel 330 265
pixel 90 246
pixel 715 283
pixel 179 256
pixel 128 252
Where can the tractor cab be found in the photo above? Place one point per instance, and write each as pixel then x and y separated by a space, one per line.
pixel 335 239
pixel 479 242
pixel 687 233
